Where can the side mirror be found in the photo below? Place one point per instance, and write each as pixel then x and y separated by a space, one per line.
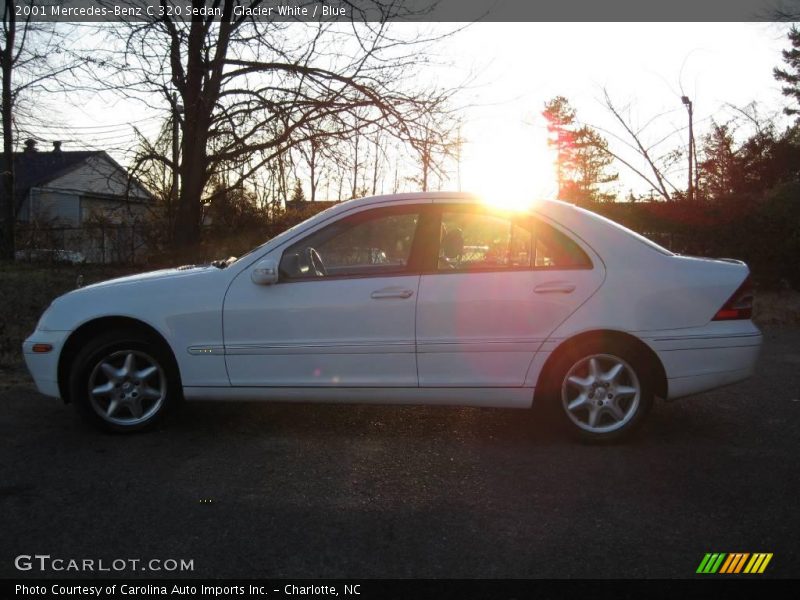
pixel 265 272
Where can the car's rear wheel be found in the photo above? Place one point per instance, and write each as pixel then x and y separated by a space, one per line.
pixel 604 390
pixel 124 381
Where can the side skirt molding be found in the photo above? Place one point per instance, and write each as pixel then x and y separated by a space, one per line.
pixel 516 397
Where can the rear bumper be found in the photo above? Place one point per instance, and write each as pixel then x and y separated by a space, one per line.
pixel 703 360
pixel 43 367
pixel 679 387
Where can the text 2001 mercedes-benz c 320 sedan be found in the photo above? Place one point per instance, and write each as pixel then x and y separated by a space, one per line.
pixel 433 298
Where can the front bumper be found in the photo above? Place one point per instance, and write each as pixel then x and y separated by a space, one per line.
pixel 43 367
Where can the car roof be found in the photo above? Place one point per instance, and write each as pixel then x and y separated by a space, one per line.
pixel 601 234
pixel 436 197
pixel 604 235
pixel 563 212
pixel 606 238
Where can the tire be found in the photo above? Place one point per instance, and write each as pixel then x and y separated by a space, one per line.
pixel 124 381
pixel 600 390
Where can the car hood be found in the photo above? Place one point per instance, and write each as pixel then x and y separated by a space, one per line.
pixel 150 277
pixel 133 296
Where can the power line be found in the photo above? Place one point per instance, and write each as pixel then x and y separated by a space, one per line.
pixel 67 135
pixel 111 126
pixel 75 136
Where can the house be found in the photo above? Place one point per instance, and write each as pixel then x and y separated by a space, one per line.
pixel 66 189
pixel 83 202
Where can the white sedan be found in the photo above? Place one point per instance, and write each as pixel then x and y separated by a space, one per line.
pixel 435 298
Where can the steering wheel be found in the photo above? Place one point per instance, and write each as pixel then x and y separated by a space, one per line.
pixel 314 262
pixel 447 263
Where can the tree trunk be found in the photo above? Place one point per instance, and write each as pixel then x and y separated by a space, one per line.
pixel 312 164
pixel 194 163
pixel 354 191
pixel 188 216
pixel 375 166
pixel 426 162
pixel 9 202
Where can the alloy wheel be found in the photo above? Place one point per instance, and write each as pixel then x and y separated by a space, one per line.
pixel 127 387
pixel 601 393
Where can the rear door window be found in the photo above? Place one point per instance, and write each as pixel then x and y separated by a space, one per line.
pixel 477 240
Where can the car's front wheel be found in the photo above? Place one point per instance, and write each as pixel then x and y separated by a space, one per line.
pixel 124 381
pixel 604 391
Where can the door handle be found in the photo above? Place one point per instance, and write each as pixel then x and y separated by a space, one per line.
pixel 555 287
pixel 391 292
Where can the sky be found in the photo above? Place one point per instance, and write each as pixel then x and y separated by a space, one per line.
pixel 520 66
pixel 514 68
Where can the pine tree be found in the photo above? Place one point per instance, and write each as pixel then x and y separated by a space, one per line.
pixel 582 159
pixel 297 192
pixel 560 118
pixel 591 166
pixel 720 167
pixel 791 76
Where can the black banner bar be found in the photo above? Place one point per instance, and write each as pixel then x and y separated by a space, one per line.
pixel 730 588
pixel 413 10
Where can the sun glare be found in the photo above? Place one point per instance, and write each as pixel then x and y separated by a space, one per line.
pixel 509 167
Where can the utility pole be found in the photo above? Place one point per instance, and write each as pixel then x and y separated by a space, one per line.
pixel 690 190
pixel 696 170
pixel 173 193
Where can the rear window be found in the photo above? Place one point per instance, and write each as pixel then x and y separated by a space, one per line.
pixel 632 233
pixel 647 241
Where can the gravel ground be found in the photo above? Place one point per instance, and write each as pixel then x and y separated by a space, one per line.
pixel 300 491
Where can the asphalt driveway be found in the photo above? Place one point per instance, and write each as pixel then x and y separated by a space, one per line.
pixel 272 490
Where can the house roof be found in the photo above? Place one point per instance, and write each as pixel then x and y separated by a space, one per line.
pixel 35 169
pixel 32 169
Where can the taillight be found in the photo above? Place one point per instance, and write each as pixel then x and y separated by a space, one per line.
pixel 738 306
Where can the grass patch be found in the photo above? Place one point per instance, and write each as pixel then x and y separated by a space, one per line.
pixel 27 289
pixel 777 308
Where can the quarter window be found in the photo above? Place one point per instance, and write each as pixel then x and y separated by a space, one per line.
pixel 557 251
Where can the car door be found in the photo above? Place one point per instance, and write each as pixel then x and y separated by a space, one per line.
pixel 501 283
pixel 342 312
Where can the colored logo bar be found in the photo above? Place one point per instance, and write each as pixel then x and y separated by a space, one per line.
pixel 734 563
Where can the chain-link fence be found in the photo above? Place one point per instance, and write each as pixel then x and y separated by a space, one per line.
pixel 102 244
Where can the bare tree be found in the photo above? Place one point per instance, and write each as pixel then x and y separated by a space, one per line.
pixel 8 58
pixel 656 163
pixel 380 153
pixel 647 160
pixel 315 153
pixel 157 178
pixel 253 90
pixel 356 137
pixel 31 60
pixel 435 139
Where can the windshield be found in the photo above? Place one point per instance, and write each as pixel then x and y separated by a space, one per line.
pixel 283 235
